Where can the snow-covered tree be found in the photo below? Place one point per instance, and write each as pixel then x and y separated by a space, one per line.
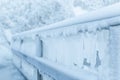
pixel 93 4
pixel 27 14
pixel 21 15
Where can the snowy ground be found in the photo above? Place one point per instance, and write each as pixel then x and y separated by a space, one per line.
pixel 7 70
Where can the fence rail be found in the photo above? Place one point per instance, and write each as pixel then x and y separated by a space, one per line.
pixel 57 71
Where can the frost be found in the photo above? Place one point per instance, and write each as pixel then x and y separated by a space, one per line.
pixel 52 37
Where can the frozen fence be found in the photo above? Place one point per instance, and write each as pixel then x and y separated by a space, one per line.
pixel 82 48
pixel 54 70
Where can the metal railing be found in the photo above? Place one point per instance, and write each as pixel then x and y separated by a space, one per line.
pixel 106 17
pixel 56 71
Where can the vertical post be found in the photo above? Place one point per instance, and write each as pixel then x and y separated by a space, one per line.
pixel 21 42
pixel 39 46
pixel 39 53
pixel 114 53
pixel 39 76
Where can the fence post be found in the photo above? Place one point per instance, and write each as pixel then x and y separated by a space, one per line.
pixel 39 46
pixel 39 53
pixel 114 53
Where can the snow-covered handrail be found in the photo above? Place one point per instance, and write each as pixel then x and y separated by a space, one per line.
pixel 101 14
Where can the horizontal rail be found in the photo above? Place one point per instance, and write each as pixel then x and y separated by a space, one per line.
pixel 56 71
pixel 103 13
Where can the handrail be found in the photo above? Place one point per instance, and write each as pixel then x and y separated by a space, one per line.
pixel 54 70
pixel 103 13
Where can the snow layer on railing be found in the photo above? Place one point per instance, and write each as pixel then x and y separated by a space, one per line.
pixel 103 13
pixel 90 27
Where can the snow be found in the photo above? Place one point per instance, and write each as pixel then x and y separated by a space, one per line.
pixel 8 34
pixel 27 14
pixel 49 68
pixel 7 70
pixel 76 47
pixel 114 66
pixel 82 47
pixel 79 11
pixel 3 55
pixel 109 12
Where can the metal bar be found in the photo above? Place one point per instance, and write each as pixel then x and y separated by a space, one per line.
pixel 39 46
pixel 58 72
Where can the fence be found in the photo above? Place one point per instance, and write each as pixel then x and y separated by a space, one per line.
pixel 81 48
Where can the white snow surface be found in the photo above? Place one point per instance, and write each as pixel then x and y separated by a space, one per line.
pixel 7 70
